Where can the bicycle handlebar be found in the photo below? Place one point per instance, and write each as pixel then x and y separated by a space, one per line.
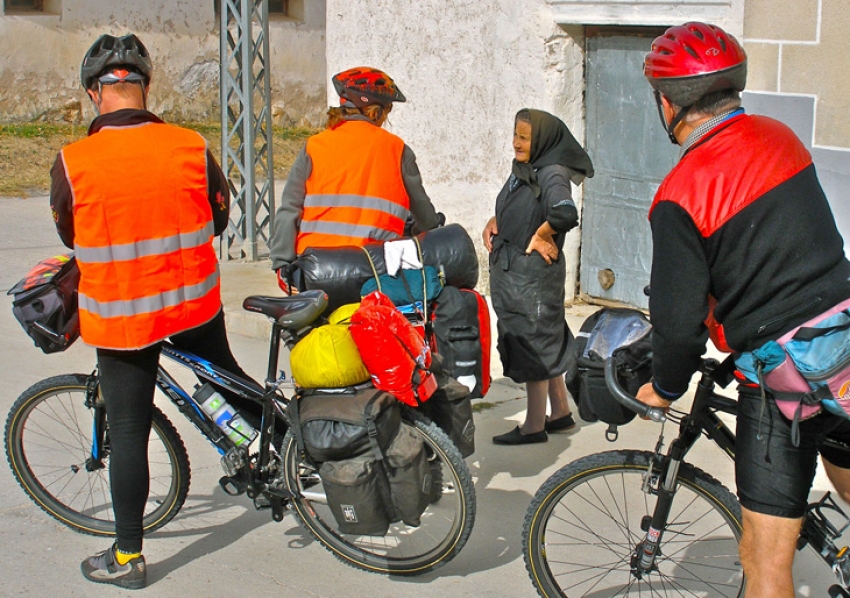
pixel 656 414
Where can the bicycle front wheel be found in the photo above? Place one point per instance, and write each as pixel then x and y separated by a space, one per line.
pixel 586 521
pixel 49 447
pixel 404 550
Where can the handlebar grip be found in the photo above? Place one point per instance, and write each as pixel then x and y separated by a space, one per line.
pixel 656 414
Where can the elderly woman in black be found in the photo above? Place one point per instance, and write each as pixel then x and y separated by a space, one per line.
pixel 534 211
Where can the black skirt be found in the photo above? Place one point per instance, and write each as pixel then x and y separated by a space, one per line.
pixel 528 298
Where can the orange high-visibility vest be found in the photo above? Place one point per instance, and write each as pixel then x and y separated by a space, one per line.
pixel 143 234
pixel 355 191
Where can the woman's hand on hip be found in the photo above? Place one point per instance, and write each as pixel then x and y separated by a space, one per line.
pixel 490 231
pixel 544 246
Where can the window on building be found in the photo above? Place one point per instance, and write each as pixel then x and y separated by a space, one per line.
pixel 19 6
pixel 32 7
pixel 279 7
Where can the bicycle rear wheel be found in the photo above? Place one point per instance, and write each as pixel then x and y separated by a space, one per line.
pixel 404 550
pixel 49 447
pixel 584 524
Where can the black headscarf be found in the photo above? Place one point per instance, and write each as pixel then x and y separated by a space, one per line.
pixel 551 143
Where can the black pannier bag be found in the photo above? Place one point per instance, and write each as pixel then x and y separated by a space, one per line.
pixel 450 408
pixel 623 334
pixel 355 490
pixel 45 303
pixel 336 425
pixel 460 322
pixel 409 474
pixel 373 468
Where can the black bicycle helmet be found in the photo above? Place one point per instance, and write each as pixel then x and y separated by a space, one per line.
pixel 110 52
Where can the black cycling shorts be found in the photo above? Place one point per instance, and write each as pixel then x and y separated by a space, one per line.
pixel 773 476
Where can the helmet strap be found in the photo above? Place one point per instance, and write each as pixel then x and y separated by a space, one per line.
pixel 669 128
pixel 97 102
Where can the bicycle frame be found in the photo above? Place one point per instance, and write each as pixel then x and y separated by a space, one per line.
pixel 233 459
pixel 817 531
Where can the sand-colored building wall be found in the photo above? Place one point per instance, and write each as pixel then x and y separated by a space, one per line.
pixel 801 47
pixel 798 51
pixel 39 73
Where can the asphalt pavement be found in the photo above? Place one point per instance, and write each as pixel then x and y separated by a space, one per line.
pixel 220 545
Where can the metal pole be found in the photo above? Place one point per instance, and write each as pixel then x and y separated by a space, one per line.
pixel 246 88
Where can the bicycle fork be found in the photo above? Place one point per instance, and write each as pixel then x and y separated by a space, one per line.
pixel 647 550
pixel 820 533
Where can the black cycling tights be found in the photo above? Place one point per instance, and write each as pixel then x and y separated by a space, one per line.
pixel 127 381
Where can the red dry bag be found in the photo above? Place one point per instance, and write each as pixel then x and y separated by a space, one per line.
pixel 396 356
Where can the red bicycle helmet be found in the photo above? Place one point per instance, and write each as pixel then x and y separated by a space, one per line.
pixel 108 53
pixel 692 60
pixel 363 85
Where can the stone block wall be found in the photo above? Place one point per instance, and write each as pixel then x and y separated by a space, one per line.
pixel 798 52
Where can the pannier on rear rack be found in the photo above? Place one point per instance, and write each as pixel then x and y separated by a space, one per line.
pixel 374 469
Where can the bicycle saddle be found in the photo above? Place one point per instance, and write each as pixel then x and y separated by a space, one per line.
pixel 290 312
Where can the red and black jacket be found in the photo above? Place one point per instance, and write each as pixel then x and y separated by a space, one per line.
pixel 743 218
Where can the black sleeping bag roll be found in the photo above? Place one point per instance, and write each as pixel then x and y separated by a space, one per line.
pixel 341 271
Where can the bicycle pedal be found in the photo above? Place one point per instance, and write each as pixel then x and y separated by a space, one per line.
pixel 232 485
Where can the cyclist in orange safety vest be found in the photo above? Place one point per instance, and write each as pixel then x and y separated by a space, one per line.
pixel 354 182
pixel 139 201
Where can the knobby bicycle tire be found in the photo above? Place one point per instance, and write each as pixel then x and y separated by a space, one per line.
pixel 445 525
pixel 49 444
pixel 585 522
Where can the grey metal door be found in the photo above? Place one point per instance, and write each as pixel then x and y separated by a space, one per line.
pixel 631 155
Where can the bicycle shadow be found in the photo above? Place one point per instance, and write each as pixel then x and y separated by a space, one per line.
pixel 217 521
pixel 506 478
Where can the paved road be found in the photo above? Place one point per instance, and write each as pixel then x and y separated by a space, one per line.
pixel 219 545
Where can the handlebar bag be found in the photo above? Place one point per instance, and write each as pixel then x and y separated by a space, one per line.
pixel 45 303
pixel 623 334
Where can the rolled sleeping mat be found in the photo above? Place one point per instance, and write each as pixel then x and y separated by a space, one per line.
pixel 341 271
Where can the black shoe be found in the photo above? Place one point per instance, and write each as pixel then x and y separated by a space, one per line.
pixel 103 568
pixel 515 436
pixel 562 424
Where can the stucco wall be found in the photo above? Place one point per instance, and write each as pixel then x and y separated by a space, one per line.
pixel 39 74
pixel 466 68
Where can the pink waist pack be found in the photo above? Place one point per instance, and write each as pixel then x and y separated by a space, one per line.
pixel 808 368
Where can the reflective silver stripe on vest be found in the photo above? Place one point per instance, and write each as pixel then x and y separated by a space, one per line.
pixel 360 231
pixel 355 202
pixel 153 303
pixel 131 251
